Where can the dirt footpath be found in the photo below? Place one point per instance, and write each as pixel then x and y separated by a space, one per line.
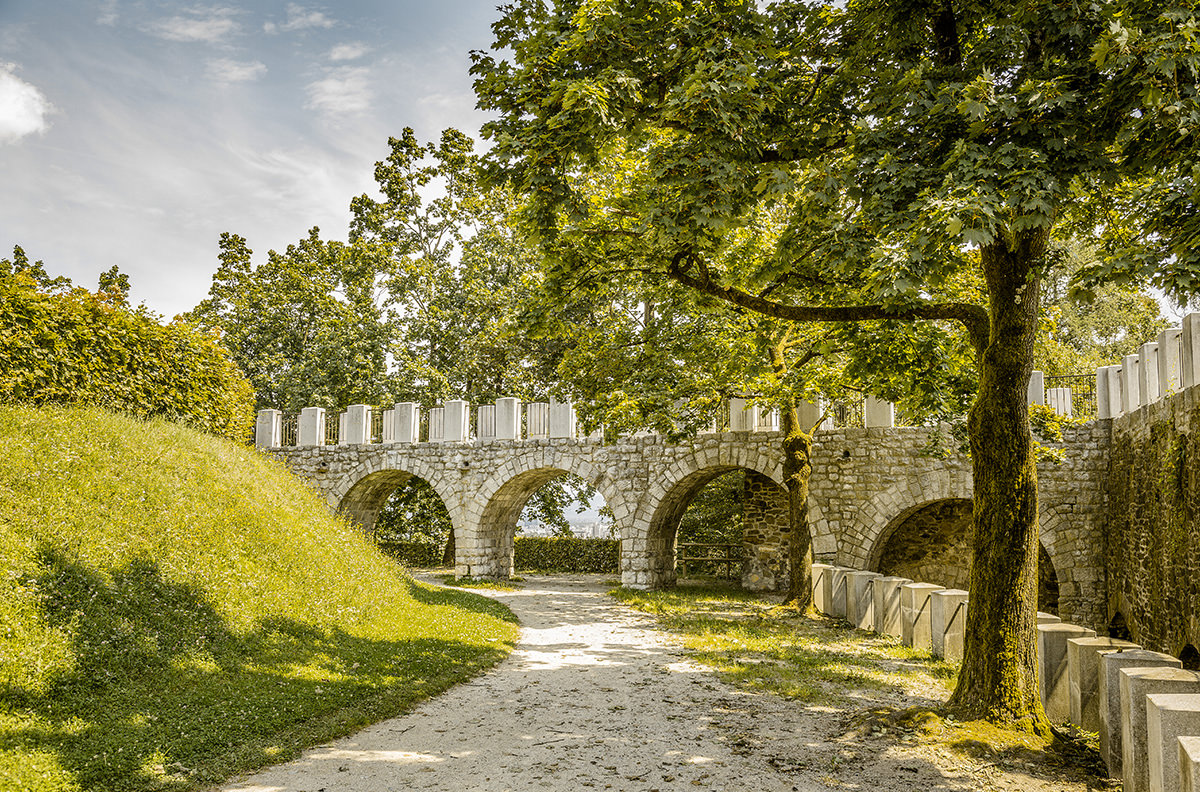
pixel 593 697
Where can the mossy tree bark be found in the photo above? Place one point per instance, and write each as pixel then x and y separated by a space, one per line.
pixel 797 469
pixel 998 680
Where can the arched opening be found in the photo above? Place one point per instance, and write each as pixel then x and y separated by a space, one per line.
pixel 1190 658
pixel 706 504
pixel 1118 627
pixel 546 502
pixel 405 515
pixel 931 543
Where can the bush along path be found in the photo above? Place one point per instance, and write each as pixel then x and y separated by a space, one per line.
pixel 596 697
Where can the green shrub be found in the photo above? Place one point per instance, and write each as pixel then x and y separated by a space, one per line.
pixel 78 347
pixel 176 608
pixel 421 555
pixel 566 554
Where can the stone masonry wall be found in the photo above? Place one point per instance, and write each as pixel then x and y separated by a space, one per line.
pixel 863 482
pixel 1153 537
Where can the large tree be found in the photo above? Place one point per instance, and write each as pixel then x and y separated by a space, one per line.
pixel 916 146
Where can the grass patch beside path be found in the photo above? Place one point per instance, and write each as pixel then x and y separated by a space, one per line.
pixel 175 609
pixel 511 584
pixel 759 646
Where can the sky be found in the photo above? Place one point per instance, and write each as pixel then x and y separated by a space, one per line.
pixel 134 132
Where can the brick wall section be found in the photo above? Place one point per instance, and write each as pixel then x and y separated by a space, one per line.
pixel 864 482
pixel 1153 537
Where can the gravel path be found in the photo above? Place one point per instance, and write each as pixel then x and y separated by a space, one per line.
pixel 592 697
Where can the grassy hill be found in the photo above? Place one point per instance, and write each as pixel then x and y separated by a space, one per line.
pixel 175 608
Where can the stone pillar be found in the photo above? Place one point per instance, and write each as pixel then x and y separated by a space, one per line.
pixel 1108 392
pixel 768 421
pixel 1148 385
pixel 1170 361
pixel 948 623
pixel 508 418
pixel 1169 716
pixel 887 605
pixel 1083 669
pixel 407 418
pixel 389 426
pixel 820 591
pixel 834 583
pixel 765 534
pixel 437 424
pixel 268 429
pixel 1036 391
pixel 358 425
pixel 1190 352
pixel 341 437
pixel 916 620
pixel 877 412
pixel 809 413
pixel 537 421
pixel 1047 618
pixel 311 431
pixel 1110 698
pixel 1053 682
pixel 485 423
pixel 1059 400
pixel 562 419
pixel 742 417
pixel 860 599
pixel 1131 388
pixel 1189 764
pixel 1136 685
pixel 456 421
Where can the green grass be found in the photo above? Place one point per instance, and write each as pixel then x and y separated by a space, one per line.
pixel 509 584
pixel 761 647
pixel 175 608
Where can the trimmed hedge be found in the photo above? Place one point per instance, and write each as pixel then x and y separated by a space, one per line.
pixel 421 555
pixel 566 554
pixel 532 554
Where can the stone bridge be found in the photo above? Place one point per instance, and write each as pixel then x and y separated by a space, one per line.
pixel 889 499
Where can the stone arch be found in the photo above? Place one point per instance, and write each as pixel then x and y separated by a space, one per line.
pixel 486 549
pixel 1189 657
pixel 891 508
pixel 361 493
pixel 648 560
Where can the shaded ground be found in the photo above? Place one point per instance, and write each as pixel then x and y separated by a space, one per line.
pixel 595 697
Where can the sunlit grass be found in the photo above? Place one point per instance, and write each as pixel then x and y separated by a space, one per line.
pixel 768 648
pixel 510 584
pixel 175 608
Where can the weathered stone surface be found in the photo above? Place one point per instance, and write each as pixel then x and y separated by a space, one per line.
pixel 1136 684
pixel 1052 667
pixel 1111 666
pixel 948 623
pixel 916 617
pixel 1189 764
pixel 822 587
pixel 886 592
pixel 1169 716
pixel 835 591
pixel 1083 670
pixel 860 599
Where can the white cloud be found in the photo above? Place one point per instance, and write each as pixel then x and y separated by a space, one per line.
pixel 108 13
pixel 344 91
pixel 211 25
pixel 350 51
pixel 300 18
pixel 23 108
pixel 231 71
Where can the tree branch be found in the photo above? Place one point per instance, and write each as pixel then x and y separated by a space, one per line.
pixel 973 317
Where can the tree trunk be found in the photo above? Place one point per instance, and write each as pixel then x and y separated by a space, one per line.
pixel 999 679
pixel 797 468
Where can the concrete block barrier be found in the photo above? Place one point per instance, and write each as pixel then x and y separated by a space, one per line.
pixel 1053 681
pixel 1169 716
pixel 1083 669
pixel 886 592
pixel 860 599
pixel 1136 685
pixel 916 618
pixel 948 623
pixel 1110 698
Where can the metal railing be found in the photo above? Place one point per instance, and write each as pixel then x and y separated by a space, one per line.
pixel 706 556
pixel 1083 392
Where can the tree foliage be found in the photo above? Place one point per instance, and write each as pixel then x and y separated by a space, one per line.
pixel 925 155
pixel 66 345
